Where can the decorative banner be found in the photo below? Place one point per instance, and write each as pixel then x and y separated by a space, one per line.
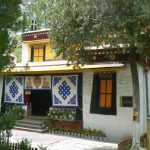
pixel 64 90
pixel 14 89
pixel 38 82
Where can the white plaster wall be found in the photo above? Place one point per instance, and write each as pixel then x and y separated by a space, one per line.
pixel 149 91
pixel 25 51
pixel 117 127
pixel 143 108
pixel 1 88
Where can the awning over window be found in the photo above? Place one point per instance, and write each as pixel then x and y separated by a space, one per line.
pixel 99 67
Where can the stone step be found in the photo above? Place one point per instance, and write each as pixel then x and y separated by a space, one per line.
pixel 31 122
pixel 26 125
pixel 29 129
pixel 39 118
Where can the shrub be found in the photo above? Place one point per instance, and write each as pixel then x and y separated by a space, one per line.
pixel 4 146
pixel 47 124
pixel 25 144
pixel 18 111
pixel 41 147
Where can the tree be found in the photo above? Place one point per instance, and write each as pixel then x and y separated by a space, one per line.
pixel 35 9
pixel 9 23
pixel 77 25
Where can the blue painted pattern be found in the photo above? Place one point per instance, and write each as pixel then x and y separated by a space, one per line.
pixel 19 99
pixel 13 89
pixel 56 100
pixel 64 90
pixel 73 79
pixel 56 80
pixel 8 99
pixel 8 79
pixel 20 80
pixel 73 100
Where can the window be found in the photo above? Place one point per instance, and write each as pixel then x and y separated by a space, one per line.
pixel 104 94
pixel 37 53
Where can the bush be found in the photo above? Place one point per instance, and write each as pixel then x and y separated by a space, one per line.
pixel 41 147
pixel 4 146
pixel 25 144
pixel 8 120
pixel 47 124
pixel 17 110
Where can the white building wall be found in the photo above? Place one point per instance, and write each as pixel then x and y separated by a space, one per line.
pixel 25 55
pixel 143 108
pixel 1 88
pixel 148 75
pixel 117 127
pixel 145 100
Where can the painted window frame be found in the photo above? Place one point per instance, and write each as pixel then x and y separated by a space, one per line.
pixel 95 99
pixel 33 47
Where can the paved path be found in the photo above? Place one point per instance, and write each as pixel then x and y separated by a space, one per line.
pixel 58 142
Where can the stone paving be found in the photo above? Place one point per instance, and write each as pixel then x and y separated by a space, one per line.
pixel 58 142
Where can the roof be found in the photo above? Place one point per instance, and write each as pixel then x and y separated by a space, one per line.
pixel 35 35
pixel 35 31
pixel 105 67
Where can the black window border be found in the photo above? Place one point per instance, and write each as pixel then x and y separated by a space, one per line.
pixel 32 53
pixel 94 107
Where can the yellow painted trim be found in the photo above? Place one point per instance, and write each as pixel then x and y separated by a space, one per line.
pixel 59 69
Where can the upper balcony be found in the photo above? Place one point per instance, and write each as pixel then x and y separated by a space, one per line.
pixel 36 36
pixel 37 47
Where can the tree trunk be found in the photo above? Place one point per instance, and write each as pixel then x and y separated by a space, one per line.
pixel 136 101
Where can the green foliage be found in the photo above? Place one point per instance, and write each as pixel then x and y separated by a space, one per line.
pixel 8 120
pixel 84 131
pixel 4 146
pixel 77 25
pixel 16 110
pixel 9 24
pixel 19 111
pixel 62 113
pixel 48 124
pixel 25 144
pixel 37 9
pixel 41 147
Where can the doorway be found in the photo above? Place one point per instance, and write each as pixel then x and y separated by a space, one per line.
pixel 40 102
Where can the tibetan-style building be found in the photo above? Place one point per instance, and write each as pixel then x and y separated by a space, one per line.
pixel 100 93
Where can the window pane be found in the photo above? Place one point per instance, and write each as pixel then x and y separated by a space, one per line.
pixel 40 58
pixel 36 53
pixel 35 59
pixel 109 86
pixel 102 100
pixel 109 100
pixel 40 52
pixel 103 86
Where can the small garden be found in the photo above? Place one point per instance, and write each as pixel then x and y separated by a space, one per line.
pixel 70 114
pixel 83 133
pixel 62 113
